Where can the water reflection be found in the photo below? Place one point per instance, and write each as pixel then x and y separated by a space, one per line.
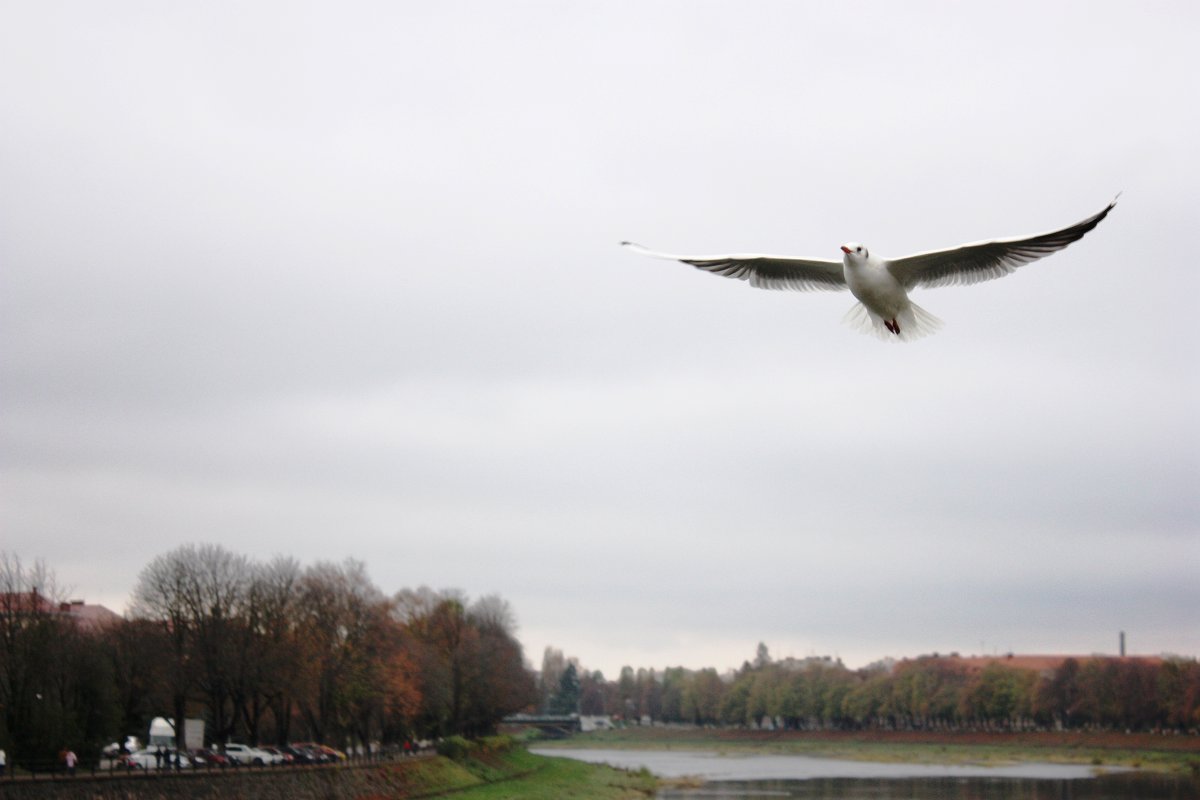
pixel 742 776
pixel 754 766
pixel 1108 787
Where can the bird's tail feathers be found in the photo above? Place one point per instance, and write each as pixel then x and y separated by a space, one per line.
pixel 915 323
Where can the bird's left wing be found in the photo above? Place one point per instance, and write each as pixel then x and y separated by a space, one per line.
pixel 983 261
pixel 764 272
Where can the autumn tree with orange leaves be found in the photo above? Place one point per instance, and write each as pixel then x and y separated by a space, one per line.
pixel 472 667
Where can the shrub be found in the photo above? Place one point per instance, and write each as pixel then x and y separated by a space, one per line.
pixel 455 748
pixel 496 744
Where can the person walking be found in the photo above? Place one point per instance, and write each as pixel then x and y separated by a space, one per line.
pixel 71 760
pixel 3 762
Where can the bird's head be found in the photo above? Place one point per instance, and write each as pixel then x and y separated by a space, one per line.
pixel 855 250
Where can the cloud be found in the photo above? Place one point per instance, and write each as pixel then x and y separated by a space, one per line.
pixel 346 283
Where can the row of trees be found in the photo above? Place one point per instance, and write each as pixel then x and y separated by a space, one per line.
pixel 274 652
pixel 927 693
pixel 263 652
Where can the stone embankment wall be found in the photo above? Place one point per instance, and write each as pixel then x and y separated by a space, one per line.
pixel 390 780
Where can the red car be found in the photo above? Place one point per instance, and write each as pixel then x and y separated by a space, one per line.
pixel 203 757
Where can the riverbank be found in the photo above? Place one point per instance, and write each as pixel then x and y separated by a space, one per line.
pixel 1170 753
pixel 488 770
pixel 556 778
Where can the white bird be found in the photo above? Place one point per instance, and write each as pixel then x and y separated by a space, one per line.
pixel 881 285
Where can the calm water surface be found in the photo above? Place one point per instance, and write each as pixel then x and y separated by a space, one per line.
pixel 740 776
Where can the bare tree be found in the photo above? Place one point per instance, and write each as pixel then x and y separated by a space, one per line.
pixel 56 688
pixel 27 595
pixel 199 595
pixel 273 662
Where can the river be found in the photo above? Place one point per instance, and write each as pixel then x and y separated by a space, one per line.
pixel 743 776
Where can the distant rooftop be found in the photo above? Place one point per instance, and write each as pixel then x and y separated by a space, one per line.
pixel 87 616
pixel 90 615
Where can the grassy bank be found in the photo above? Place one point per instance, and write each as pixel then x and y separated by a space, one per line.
pixel 495 770
pixel 556 778
pixel 1174 754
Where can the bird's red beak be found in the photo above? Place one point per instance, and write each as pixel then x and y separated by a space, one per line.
pixel 845 250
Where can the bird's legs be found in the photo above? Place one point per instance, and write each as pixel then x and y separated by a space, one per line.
pixel 892 325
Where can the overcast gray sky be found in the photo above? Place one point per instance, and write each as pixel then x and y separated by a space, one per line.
pixel 342 280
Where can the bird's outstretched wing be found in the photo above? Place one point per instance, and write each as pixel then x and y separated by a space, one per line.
pixel 764 272
pixel 983 261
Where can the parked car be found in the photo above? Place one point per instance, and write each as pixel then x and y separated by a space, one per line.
pixel 203 757
pixel 338 755
pixel 153 758
pixel 278 755
pixel 245 755
pixel 315 752
pixel 118 749
pixel 300 755
pixel 331 754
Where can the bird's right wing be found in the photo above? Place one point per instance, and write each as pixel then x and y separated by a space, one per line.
pixel 764 272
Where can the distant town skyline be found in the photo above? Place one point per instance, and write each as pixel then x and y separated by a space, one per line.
pixel 91 613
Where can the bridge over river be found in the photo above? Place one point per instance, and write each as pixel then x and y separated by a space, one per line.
pixel 555 725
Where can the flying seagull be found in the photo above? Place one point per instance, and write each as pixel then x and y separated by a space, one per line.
pixel 881 285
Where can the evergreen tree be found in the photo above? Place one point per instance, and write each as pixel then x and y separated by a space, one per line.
pixel 566 699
